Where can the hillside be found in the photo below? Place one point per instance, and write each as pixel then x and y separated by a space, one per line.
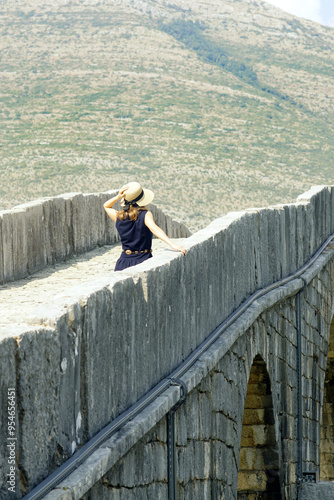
pixel 216 105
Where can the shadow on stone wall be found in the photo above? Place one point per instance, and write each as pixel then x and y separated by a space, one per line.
pixel 327 427
pixel 258 476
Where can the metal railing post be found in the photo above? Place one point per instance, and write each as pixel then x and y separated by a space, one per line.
pixel 171 445
pixel 299 390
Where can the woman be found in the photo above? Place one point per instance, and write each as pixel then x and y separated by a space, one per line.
pixel 135 225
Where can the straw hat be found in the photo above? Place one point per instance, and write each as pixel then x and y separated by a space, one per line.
pixel 135 194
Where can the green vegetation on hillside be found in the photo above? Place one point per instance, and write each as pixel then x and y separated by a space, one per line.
pixel 192 35
pixel 93 96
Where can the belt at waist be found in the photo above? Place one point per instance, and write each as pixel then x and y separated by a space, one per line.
pixel 130 252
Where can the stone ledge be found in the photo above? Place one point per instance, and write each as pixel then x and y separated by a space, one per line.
pixel 103 459
pixel 191 294
pixel 110 452
pixel 315 491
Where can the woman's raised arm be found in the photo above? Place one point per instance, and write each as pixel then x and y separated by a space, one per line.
pixel 159 233
pixel 110 203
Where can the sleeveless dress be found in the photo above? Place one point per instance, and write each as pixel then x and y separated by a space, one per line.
pixel 137 237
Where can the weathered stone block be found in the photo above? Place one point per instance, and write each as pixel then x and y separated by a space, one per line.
pixel 38 370
pixel 198 418
pixel 258 416
pixel 60 494
pixel 35 236
pixel 58 229
pixel 8 381
pixel 225 396
pixel 257 389
pixel 186 462
pixel 327 467
pixel 146 463
pixel 258 435
pixel 257 459
pixel 252 481
pixel 258 401
pixel 14 244
pixel 195 489
pixel 72 424
pixel 327 446
pixel 160 431
pixel 223 462
pixel 315 491
pixel 97 354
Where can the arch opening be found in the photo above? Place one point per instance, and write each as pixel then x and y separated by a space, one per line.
pixel 327 425
pixel 258 477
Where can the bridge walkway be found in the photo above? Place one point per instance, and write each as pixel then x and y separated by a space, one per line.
pixel 19 299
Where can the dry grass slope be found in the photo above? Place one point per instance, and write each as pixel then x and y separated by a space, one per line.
pixel 97 93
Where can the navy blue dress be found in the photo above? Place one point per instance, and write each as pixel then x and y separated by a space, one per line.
pixel 137 237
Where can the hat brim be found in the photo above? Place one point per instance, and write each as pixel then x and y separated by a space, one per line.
pixel 146 199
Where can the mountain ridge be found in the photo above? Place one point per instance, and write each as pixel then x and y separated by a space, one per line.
pixel 97 93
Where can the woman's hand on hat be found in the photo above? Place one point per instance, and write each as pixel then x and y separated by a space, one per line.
pixel 122 192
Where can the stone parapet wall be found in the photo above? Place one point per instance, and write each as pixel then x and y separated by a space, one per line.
pixel 235 438
pixel 50 230
pixel 105 346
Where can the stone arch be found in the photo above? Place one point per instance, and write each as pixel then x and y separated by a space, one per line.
pixel 258 477
pixel 327 425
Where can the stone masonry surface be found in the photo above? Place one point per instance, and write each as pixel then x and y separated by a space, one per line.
pixel 57 250
pixel 50 230
pixel 209 425
pixel 19 301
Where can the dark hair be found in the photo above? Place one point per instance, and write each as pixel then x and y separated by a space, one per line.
pixel 132 213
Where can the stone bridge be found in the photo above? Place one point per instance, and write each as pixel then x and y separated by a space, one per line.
pixel 205 376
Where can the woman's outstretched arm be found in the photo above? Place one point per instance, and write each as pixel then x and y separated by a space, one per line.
pixel 110 203
pixel 159 233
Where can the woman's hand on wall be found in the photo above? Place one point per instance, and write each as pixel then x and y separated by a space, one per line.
pixel 159 233
pixel 178 248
